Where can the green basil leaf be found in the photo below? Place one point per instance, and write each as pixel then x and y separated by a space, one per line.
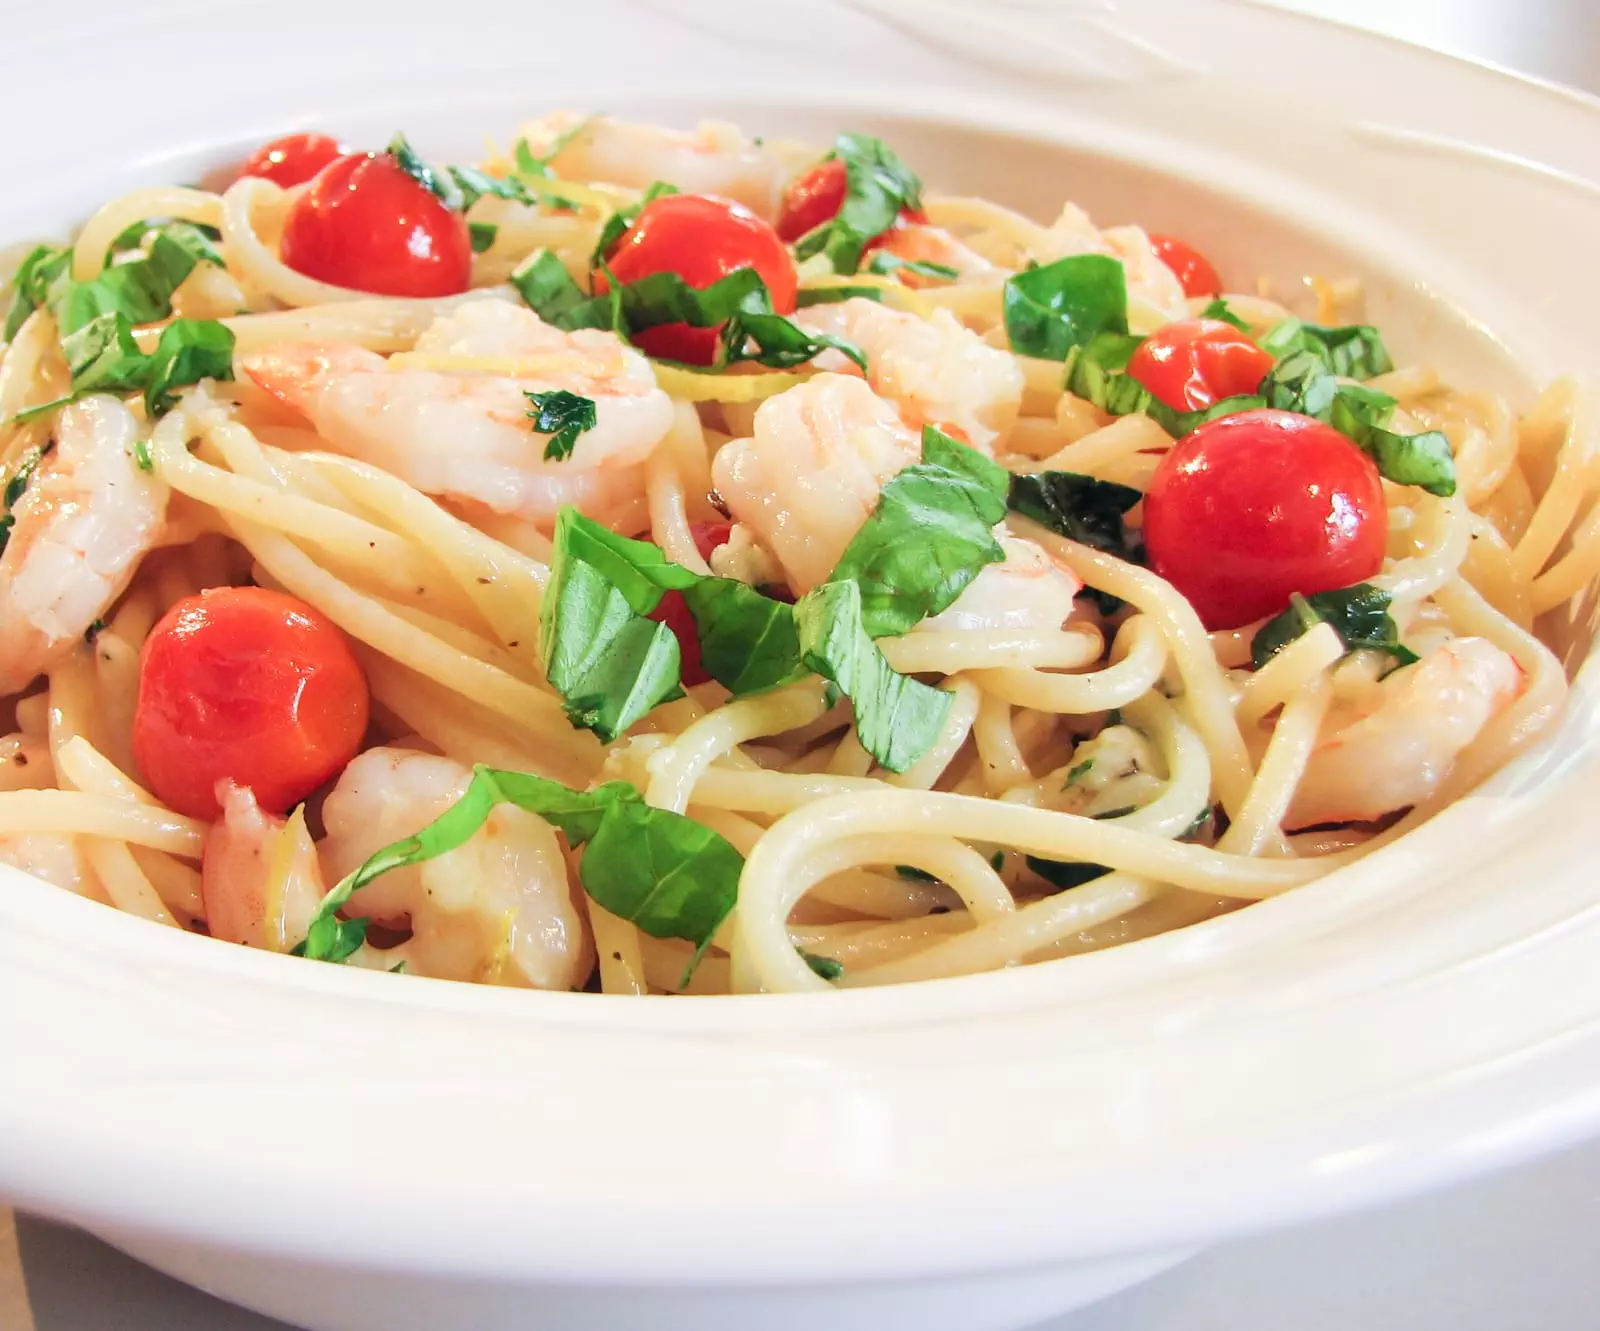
pixel 878 185
pixel 672 877
pixel 1065 874
pixel 748 642
pixel 826 967
pixel 189 350
pixel 441 184
pixel 1052 309
pixel 30 287
pixel 140 291
pixel 885 263
pixel 1353 351
pixel 102 355
pixel 808 296
pixel 928 537
pixel 563 416
pixel 1080 508
pixel 1359 614
pixel 547 288
pixel 897 718
pixel 1220 309
pixel 482 235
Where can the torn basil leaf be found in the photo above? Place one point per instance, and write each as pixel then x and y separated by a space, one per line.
pixel 189 350
pixel 482 235
pixel 1220 309
pixel 1353 351
pixel 1065 874
pixel 897 718
pixel 441 184
pixel 671 876
pixel 878 185
pixel 928 537
pixel 548 289
pixel 884 264
pixel 1051 310
pixel 808 296
pixel 826 968
pixel 563 416
pixel 748 642
pixel 31 285
pixel 1081 508
pixel 1359 614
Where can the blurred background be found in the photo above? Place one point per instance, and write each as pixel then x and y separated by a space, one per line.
pixel 1510 1253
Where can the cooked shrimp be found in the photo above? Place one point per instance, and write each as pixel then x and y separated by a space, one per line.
pixel 260 878
pixel 1403 740
pixel 56 859
pixel 936 371
pixel 921 243
pixel 452 417
pixel 1028 590
pixel 1155 295
pixel 808 479
pixel 715 159
pixel 86 519
pixel 497 910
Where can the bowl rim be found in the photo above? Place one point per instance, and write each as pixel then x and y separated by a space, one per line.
pixel 842 1074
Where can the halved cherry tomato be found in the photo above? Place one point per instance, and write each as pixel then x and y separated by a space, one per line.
pixel 1195 363
pixel 701 238
pixel 293 159
pixel 674 611
pixel 364 223
pixel 1253 507
pixel 251 685
pixel 817 196
pixel 1192 269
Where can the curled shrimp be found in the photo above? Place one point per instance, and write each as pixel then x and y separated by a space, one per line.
pixel 496 910
pixel 813 471
pixel 1405 735
pixel 260 878
pixel 715 159
pixel 1027 590
pixel 936 371
pixel 86 518
pixel 452 417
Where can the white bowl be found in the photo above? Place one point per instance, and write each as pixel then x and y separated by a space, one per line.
pixel 351 1152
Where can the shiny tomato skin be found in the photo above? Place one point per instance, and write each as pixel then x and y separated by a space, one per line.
pixel 1253 507
pixel 701 238
pixel 1196 363
pixel 708 536
pixel 816 197
pixel 293 159
pixel 365 224
pixel 251 685
pixel 1192 269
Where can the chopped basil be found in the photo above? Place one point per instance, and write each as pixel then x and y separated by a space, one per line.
pixel 885 263
pixel 1354 351
pixel 531 167
pixel 547 288
pixel 1097 372
pixel 1302 382
pixel 1051 310
pixel 616 226
pixel 807 296
pixel 141 455
pixel 1220 309
pixel 1064 874
pixel 826 967
pixel 563 416
pixel 95 629
pixel 441 184
pixel 748 642
pixel 928 537
pixel 672 877
pixel 897 717
pixel 1359 614
pixel 482 235
pixel 878 185
pixel 1080 771
pixel 1081 508
pixel 189 350
pixel 30 287
pixel 912 874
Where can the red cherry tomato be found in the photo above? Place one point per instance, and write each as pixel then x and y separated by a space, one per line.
pixel 1193 270
pixel 817 196
pixel 701 238
pixel 1195 363
pixel 293 159
pixel 251 685
pixel 709 535
pixel 365 224
pixel 1253 507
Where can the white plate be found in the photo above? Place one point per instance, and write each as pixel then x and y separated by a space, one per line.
pixel 351 1152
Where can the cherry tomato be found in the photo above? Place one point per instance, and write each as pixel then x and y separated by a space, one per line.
pixel 365 224
pixel 1253 507
pixel 817 196
pixel 701 238
pixel 251 685
pixel 293 159
pixel 674 610
pixel 1195 363
pixel 709 535
pixel 1192 269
